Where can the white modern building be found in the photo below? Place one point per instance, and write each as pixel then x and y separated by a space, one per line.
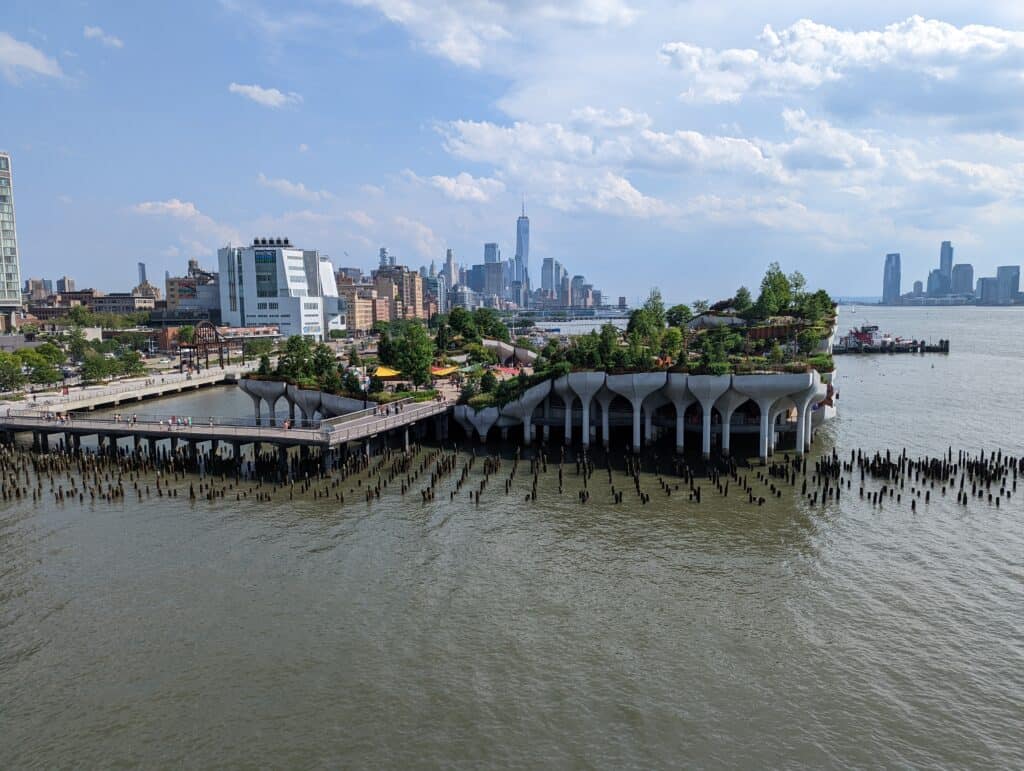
pixel 272 282
pixel 10 276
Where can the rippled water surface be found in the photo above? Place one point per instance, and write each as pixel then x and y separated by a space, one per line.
pixel 305 633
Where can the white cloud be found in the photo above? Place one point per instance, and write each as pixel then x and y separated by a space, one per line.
pixel 424 240
pixel 18 58
pixel 186 211
pixel 462 187
pixel 97 33
pixel 303 147
pixel 360 218
pixel 268 97
pixel 466 31
pixel 808 55
pixel 594 118
pixel 293 189
pixel 821 146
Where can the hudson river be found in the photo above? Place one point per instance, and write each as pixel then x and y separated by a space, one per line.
pixel 547 634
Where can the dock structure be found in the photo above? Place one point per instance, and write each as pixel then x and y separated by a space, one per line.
pixel 91 398
pixel 896 346
pixel 328 436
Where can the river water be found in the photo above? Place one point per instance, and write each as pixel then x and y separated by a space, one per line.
pixel 305 633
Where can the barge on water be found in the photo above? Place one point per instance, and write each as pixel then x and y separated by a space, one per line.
pixel 868 339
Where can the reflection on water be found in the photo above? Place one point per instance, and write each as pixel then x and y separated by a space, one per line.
pixel 301 633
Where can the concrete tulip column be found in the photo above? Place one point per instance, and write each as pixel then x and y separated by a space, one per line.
pixel 820 392
pixel 707 389
pixel 586 385
pixel 604 398
pixel 636 388
pixel 679 394
pixel 523 407
pixel 561 387
pixel 650 406
pixel 267 390
pixel 780 407
pixel 803 401
pixel 765 390
pixel 727 404
pixel 483 421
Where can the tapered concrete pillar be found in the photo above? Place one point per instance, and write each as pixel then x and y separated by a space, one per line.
pixel 803 401
pixel 236 451
pixel 604 399
pixel 707 389
pixel 151 442
pixel 679 394
pixel 765 390
pixel 586 386
pixel 546 431
pixel 636 388
pixel 727 405
pixel 174 444
pixel 562 388
pixel 405 439
pixel 327 460
pixel 136 442
pixel 44 441
pixel 256 402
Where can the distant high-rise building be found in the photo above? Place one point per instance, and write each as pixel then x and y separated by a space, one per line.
pixel 38 288
pixel 891 277
pixel 987 291
pixel 142 273
pixel 65 284
pixel 946 260
pixel 522 257
pixel 491 253
pixel 963 279
pixel 918 288
pixel 938 283
pixel 1008 278
pixel 547 275
pixel 10 275
pixel 450 271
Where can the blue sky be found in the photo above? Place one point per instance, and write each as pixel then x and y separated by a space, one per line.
pixel 677 144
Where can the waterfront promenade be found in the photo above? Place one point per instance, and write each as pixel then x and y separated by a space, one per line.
pixel 135 389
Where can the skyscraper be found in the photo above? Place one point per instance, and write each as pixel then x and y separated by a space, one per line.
pixel 963 279
pixel 891 277
pixel 1008 278
pixel 142 273
pixel 522 258
pixel 548 279
pixel 10 280
pixel 491 253
pixel 946 260
pixel 450 271
pixel 65 284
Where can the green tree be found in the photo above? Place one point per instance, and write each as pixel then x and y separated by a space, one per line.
pixel 742 302
pixel 414 353
pixel 11 377
pixel 443 338
pixel 187 334
pixel 350 382
pixel 776 354
pixel 488 382
pixel 130 363
pixel 294 361
pixel 608 343
pixel 700 306
pixel 322 361
pixel 77 344
pixel 655 308
pixel 678 315
pixel 80 316
pixel 264 368
pixel 353 357
pixel 489 324
pixel 96 367
pixel 808 340
pixel 776 292
pixel 672 342
pixel 259 347
pixel 41 371
pixel 461 322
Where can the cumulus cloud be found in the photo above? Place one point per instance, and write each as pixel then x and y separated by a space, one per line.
pixel 808 55
pixel 293 189
pixel 268 97
pixel 360 218
pixel 97 33
pixel 201 224
pixel 18 58
pixel 424 240
pixel 464 31
pixel 822 146
pixel 462 187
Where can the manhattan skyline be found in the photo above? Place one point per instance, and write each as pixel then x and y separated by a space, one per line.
pixel 639 133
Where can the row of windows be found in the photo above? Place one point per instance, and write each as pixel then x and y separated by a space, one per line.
pixel 5 199
pixel 4 182
pixel 3 164
pixel 311 306
pixel 264 306
pixel 10 251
